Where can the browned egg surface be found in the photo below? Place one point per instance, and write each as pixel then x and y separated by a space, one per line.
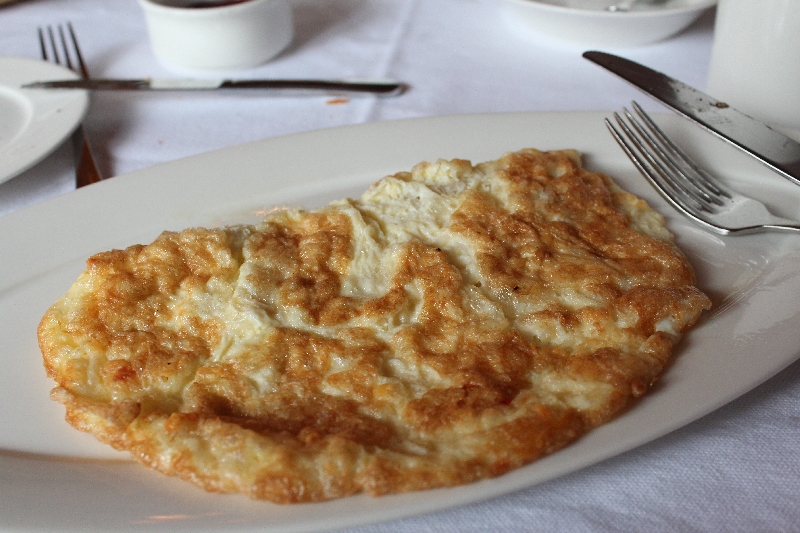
pixel 454 323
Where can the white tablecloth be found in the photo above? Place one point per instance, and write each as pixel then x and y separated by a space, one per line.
pixel 737 469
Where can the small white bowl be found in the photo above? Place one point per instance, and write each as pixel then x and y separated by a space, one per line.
pixel 231 36
pixel 592 25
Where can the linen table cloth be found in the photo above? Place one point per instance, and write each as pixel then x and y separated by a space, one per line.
pixel 737 469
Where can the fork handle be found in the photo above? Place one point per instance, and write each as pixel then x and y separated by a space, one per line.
pixel 86 171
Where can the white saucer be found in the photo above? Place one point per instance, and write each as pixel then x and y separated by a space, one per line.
pixel 588 23
pixel 34 122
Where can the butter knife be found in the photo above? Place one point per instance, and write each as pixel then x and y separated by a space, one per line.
pixel 774 149
pixel 380 87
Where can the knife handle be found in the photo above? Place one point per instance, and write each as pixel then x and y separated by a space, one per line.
pixel 384 88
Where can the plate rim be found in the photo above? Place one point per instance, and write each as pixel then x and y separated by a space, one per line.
pixel 594 13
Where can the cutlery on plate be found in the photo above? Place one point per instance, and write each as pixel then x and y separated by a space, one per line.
pixel 381 87
pixel 774 149
pixel 86 171
pixel 689 188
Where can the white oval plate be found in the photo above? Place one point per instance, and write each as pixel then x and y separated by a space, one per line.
pixel 34 122
pixel 587 23
pixel 54 478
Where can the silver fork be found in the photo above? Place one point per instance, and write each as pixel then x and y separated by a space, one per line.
pixel 684 184
pixel 86 171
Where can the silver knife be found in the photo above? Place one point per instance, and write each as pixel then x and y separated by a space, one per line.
pixel 381 87
pixel 777 151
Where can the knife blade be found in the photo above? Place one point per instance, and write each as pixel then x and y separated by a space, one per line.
pixel 774 149
pixel 380 87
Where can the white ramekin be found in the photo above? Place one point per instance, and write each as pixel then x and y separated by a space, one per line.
pixel 227 37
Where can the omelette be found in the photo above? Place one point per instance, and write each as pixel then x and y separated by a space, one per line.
pixel 456 322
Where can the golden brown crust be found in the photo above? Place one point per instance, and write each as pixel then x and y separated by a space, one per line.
pixel 455 323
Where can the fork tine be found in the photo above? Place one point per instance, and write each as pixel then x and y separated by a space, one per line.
pixel 667 166
pixel 57 51
pixel 664 186
pixel 701 178
pixel 648 167
pixel 42 44
pixel 81 64
pixel 65 48
pixel 53 46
